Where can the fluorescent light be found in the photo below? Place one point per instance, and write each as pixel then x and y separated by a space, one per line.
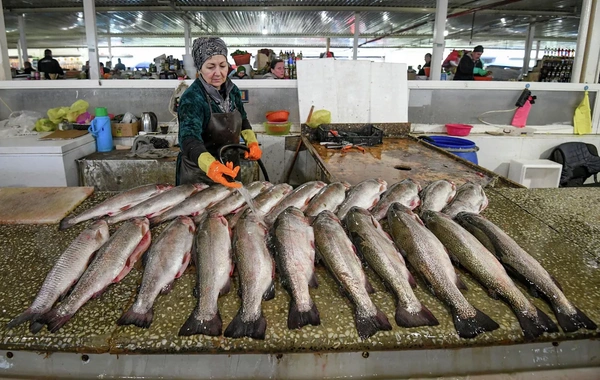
pixel 503 20
pixel 265 31
pixel 445 33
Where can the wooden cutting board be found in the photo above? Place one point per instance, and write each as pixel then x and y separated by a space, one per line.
pixel 39 205
pixel 64 135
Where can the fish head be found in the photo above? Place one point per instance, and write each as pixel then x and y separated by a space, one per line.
pixel 295 211
pixel 101 227
pixel 200 186
pixel 267 185
pixel 346 185
pixel 186 220
pixel 383 184
pixel 143 223
pixel 357 215
pixel 411 183
pixel 163 187
pixel 320 184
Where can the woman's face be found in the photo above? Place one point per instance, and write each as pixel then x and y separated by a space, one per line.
pixel 278 71
pixel 427 58
pixel 214 70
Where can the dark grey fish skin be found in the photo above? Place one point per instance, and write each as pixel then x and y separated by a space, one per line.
pixel 381 254
pixel 256 272
pixel 522 265
pixel 436 195
pixel 299 198
pixel 64 274
pixel 166 261
pixel 427 255
pixel 337 252
pixel 405 192
pixel 293 245
pixel 235 200
pixel 116 204
pixel 469 197
pixel 214 265
pixel 113 261
pixel 365 194
pixel 158 204
pixel 329 198
pixel 472 255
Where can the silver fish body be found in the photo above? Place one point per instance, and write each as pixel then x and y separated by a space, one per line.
pixel 214 265
pixel 158 204
pixel 328 198
pixel 337 252
pixel 166 261
pixel 365 194
pixel 436 195
pixel 405 192
pixel 428 255
pixel 382 256
pixel 469 197
pixel 299 198
pixel 112 262
pixel 522 265
pixel 473 256
pixel 256 271
pixel 235 200
pixel 64 274
pixel 293 245
pixel 264 202
pixel 116 204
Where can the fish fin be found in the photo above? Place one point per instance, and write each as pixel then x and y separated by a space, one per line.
pixel 571 323
pixel 425 317
pixel 460 283
pixel 368 286
pixel 66 223
pixel 313 283
pixel 556 282
pixel 254 329
pixel 270 293
pixel 533 327
pixel 471 327
pixel 27 315
pixel 167 288
pixel 130 317
pixel 54 320
pixel 226 288
pixel 368 326
pixel 298 319
pixel 411 280
pixel 493 294
pixel 210 327
pixel 531 288
pixel 184 264
pixel 35 327
pixel 139 250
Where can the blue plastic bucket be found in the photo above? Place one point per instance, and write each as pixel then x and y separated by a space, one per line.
pixel 461 147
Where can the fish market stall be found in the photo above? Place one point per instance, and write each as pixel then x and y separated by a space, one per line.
pixel 91 343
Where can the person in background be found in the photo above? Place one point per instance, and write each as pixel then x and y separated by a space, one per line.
pixel 277 70
pixel 240 73
pixel 49 65
pixel 211 115
pixel 427 64
pixel 470 65
pixel 86 69
pixel 27 69
pixel 104 70
pixel 119 66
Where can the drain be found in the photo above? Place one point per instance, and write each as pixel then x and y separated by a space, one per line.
pixel 402 167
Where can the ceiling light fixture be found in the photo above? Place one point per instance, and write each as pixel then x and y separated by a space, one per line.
pixel 445 33
pixel 264 30
pixel 503 20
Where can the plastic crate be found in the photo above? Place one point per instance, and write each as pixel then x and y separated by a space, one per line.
pixel 535 173
pixel 368 135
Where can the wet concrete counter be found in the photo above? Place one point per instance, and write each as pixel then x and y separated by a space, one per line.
pixel 28 252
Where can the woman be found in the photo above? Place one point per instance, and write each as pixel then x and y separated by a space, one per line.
pixel 211 115
pixel 470 65
pixel 427 64
pixel 277 70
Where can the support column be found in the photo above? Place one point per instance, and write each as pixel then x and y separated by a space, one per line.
pixel 582 35
pixel 4 63
pixel 538 44
pixel 89 14
pixel 591 55
pixel 187 33
pixel 528 46
pixel 327 45
pixel 441 13
pixel 109 43
pixel 22 41
pixel 356 34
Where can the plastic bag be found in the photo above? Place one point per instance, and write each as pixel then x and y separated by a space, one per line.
pixel 19 123
pixel 319 117
pixel 45 125
pixel 58 114
pixel 582 119
pixel 129 118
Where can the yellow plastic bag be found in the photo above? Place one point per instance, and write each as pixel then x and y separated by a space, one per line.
pixel 76 109
pixel 319 117
pixel 56 115
pixel 44 125
pixel 582 119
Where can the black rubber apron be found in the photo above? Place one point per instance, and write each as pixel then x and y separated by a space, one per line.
pixel 222 129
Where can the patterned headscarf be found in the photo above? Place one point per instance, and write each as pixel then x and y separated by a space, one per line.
pixel 206 47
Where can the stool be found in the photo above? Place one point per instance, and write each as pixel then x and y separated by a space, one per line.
pixel 535 173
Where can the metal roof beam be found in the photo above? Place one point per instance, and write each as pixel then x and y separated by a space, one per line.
pixel 159 8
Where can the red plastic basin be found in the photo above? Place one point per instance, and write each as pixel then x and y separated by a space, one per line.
pixel 458 129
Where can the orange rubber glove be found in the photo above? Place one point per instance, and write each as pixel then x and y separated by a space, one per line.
pixel 217 170
pixel 255 153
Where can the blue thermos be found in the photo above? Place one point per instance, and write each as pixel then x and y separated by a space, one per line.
pixel 101 130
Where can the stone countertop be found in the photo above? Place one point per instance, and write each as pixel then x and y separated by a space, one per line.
pixel 28 253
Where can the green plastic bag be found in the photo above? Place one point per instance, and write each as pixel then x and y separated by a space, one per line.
pixel 58 114
pixel 582 119
pixel 76 109
pixel 44 125
pixel 319 117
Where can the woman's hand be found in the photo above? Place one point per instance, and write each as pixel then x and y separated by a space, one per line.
pixel 217 171
pixel 255 153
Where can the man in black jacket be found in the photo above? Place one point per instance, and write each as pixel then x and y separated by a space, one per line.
pixel 470 65
pixel 49 65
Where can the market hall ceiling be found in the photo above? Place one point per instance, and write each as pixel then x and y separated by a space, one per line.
pixel 264 23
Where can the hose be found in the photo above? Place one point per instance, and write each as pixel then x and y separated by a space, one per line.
pixel 242 147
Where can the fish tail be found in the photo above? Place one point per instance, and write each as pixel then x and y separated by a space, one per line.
pixel 254 329
pixel 368 326
pixel 35 327
pixel 54 320
pixel 211 327
pixel 571 323
pixel 535 326
pixel 27 315
pixel 298 319
pixel 471 327
pixel 66 223
pixel 424 317
pixel 130 317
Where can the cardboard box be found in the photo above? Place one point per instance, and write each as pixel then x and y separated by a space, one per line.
pixel 125 129
pixel 533 77
pixel 411 76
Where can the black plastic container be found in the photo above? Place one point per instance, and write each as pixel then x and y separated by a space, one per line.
pixel 368 135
